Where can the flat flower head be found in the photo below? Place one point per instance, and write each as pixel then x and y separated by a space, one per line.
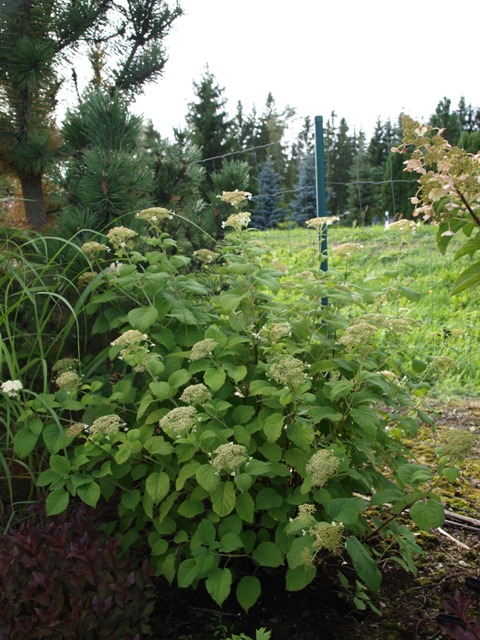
pixel 403 225
pixel 322 466
pixel 235 198
pixel 155 215
pixel 106 425
pixel 129 338
pixel 321 221
pixel 11 387
pixel 196 394
pixel 202 349
pixel 93 249
pixel 179 421
pixel 68 380
pixel 229 457
pixel 238 221
pixel 120 237
pixel 288 371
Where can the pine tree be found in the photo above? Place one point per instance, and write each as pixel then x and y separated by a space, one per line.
pixel 304 203
pixel 362 202
pixel 341 159
pixel 267 211
pixel 444 119
pixel 107 174
pixel 36 37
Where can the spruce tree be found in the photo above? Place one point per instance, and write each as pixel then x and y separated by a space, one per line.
pixel 341 159
pixel 267 211
pixel 304 203
pixel 209 126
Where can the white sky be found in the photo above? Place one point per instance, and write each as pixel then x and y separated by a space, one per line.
pixel 362 58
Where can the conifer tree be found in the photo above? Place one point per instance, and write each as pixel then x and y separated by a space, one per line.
pixel 209 127
pixel 267 210
pixel 304 203
pixel 36 37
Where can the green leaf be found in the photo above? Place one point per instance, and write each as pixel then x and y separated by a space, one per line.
pixel 157 486
pixel 161 390
pixel 363 563
pixel 410 294
pixel 57 502
pixel 267 554
pixel 245 507
pixel 54 437
pixel 142 318
pixel 207 478
pixel 346 510
pixel 24 442
pixel 89 493
pixel 191 508
pixel 338 389
pixel 60 465
pixel 223 498
pixel 299 578
pixel 218 584
pixel 273 426
pixel 206 533
pixel 365 418
pixel 469 247
pixel 179 378
pixel 428 514
pixel 248 591
pixel 187 573
pixel 295 553
pixel 214 378
pixel 230 542
pixel 468 279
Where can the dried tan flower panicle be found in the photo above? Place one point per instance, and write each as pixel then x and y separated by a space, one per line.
pixel 106 425
pixel 203 349
pixel 120 237
pixel 235 198
pixel 238 220
pixel 229 457
pixel 322 466
pixel 288 371
pixel 92 249
pixel 321 221
pixel 155 215
pixel 76 429
pixel 443 363
pixel 179 421
pixel 196 394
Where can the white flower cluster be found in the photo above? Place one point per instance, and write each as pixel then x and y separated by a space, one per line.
pixel 155 215
pixel 179 421
pixel 322 466
pixel 235 198
pixel 202 349
pixel 119 237
pixel 288 371
pixel 229 457
pixel 237 220
pixel 11 387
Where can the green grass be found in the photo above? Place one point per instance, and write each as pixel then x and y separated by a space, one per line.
pixel 407 277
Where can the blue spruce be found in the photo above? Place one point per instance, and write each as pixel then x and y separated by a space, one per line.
pixel 266 210
pixel 304 204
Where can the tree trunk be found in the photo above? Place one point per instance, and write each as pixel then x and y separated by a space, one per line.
pixel 32 191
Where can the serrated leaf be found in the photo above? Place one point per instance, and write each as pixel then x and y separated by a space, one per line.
pixel 230 542
pixel 272 427
pixel 57 501
pixel 207 478
pixel 428 514
pixel 157 486
pixel 267 554
pixel 248 591
pixel 187 572
pixel 295 553
pixel 89 493
pixel 363 563
pixel 223 498
pixel 245 507
pixel 24 442
pixel 54 437
pixel 142 318
pixel 299 578
pixel 346 510
pixel 206 533
pixel 161 390
pixel 218 584
pixel 214 378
